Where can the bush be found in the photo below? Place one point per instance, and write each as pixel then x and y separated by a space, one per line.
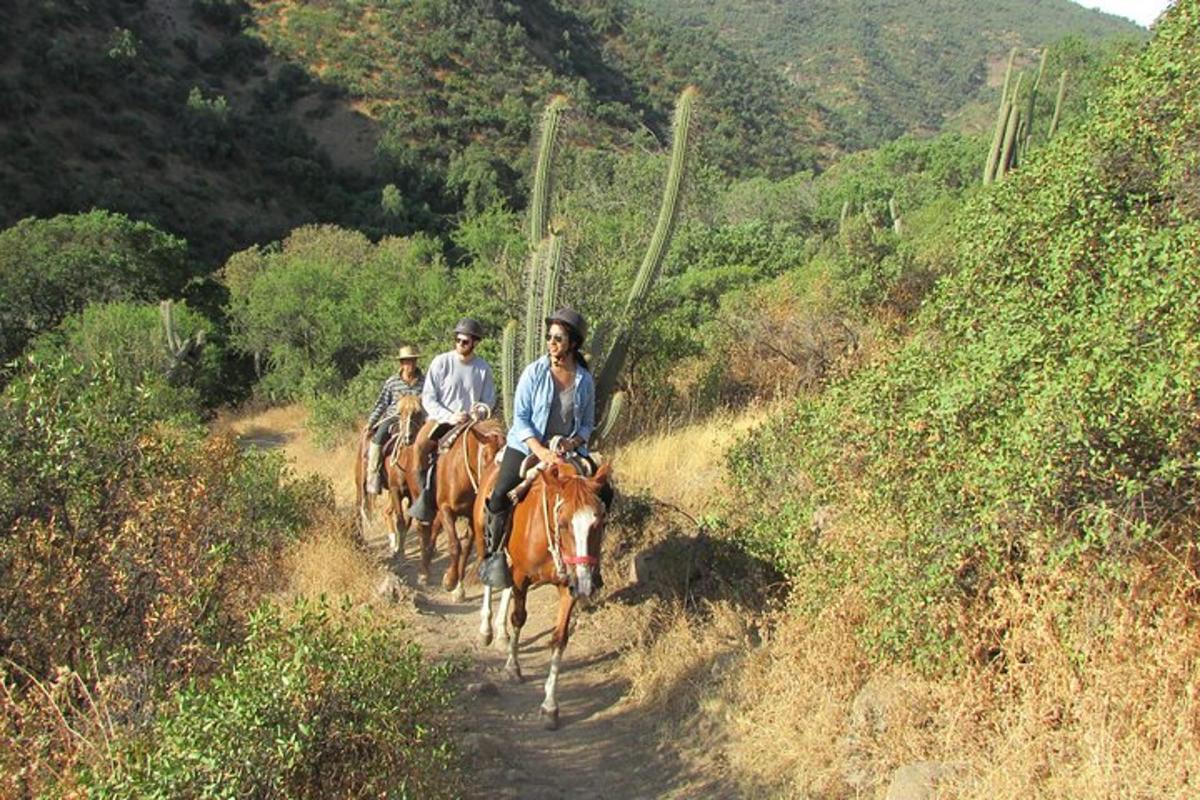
pixel 52 267
pixel 320 705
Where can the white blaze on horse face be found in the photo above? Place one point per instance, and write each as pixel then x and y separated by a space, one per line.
pixel 581 525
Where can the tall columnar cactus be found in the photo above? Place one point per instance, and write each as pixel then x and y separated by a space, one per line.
pixel 668 212
pixel 894 211
pixel 539 205
pixel 989 168
pixel 1058 101
pixel 181 351
pixel 1028 119
pixel 508 369
pixel 545 265
pixel 1008 154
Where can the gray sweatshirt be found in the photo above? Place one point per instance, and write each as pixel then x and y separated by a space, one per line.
pixel 452 386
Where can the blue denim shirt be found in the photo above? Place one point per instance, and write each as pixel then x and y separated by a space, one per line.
pixel 531 405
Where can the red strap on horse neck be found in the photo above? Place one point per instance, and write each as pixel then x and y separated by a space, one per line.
pixel 574 560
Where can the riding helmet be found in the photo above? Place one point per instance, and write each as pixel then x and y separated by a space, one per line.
pixel 572 319
pixel 469 327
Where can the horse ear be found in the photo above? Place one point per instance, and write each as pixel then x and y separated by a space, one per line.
pixel 551 475
pixel 602 475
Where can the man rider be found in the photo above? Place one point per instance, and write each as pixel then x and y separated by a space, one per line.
pixel 458 381
pixel 407 381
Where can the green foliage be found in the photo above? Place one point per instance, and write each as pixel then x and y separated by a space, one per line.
pixel 327 301
pixel 333 413
pixel 314 704
pixel 1044 411
pixel 50 268
pixel 130 337
pixel 123 532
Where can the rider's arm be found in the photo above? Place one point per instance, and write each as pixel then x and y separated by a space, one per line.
pixel 381 406
pixel 522 424
pixel 431 394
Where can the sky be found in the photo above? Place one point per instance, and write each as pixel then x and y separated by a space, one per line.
pixel 1143 12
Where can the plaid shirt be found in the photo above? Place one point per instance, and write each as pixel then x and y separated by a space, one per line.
pixel 393 389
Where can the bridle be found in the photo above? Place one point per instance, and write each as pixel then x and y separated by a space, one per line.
pixel 554 538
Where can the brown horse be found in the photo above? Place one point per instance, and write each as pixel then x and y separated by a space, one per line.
pixel 396 463
pixel 459 469
pixel 556 533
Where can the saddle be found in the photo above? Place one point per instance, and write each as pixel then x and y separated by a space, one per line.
pixel 531 466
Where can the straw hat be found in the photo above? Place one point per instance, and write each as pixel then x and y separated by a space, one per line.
pixel 407 352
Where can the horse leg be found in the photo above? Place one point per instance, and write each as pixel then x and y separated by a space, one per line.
pixel 464 558
pixel 502 637
pixel 396 529
pixel 485 617
pixel 512 668
pixel 549 709
pixel 451 579
pixel 426 533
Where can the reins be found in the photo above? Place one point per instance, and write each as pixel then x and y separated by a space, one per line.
pixel 554 537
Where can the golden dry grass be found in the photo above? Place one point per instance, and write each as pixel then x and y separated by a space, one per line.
pixel 684 466
pixel 284 427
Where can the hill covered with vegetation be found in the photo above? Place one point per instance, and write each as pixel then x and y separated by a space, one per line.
pixel 887 68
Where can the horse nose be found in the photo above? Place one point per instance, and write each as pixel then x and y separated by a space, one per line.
pixel 583 580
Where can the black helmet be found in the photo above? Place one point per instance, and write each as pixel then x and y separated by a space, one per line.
pixel 572 319
pixel 469 327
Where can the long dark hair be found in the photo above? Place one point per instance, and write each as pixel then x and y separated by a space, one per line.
pixel 576 341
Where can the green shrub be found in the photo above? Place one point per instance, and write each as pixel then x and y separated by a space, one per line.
pixel 52 267
pixel 1045 410
pixel 314 704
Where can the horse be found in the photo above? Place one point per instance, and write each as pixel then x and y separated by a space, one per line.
pixel 396 464
pixel 465 453
pixel 558 525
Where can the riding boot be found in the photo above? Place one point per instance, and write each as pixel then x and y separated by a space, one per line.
pixel 374 453
pixel 425 505
pixel 493 570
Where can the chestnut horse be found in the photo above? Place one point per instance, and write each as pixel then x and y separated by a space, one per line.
pixel 459 470
pixel 556 533
pixel 396 464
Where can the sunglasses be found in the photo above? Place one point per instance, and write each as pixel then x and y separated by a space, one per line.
pixel 463 340
pixel 557 338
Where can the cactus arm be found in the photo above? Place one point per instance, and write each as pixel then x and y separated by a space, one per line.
pixel 533 303
pixel 1007 160
pixel 508 369
pixel 1058 101
pixel 611 415
pixel 552 267
pixel 539 206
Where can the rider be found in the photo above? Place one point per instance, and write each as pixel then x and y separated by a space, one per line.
pixel 554 404
pixel 459 383
pixel 407 381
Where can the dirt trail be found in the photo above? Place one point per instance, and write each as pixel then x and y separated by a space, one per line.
pixel 605 747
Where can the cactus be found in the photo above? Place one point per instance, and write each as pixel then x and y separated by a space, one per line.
pixel 1037 82
pixel 681 137
pixel 611 415
pixel 1058 101
pixel 181 351
pixel 539 206
pixel 546 260
pixel 1007 155
pixel 845 213
pixel 894 210
pixel 508 369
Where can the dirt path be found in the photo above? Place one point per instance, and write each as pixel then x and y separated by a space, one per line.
pixel 605 747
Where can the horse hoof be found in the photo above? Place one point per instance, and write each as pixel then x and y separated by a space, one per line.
pixel 502 642
pixel 513 673
pixel 459 594
pixel 549 718
pixel 485 638
pixel 422 579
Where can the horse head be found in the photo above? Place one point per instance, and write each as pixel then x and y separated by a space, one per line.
pixel 579 516
pixel 412 416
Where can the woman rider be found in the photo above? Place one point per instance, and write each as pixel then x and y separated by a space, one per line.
pixel 407 381
pixel 555 397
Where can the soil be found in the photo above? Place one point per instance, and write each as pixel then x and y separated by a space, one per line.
pixel 606 746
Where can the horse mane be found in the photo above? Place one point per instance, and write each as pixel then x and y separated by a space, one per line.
pixel 408 404
pixel 577 490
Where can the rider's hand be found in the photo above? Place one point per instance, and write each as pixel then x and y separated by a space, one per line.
pixel 546 455
pixel 570 444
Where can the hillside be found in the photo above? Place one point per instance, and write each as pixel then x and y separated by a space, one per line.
pixel 886 67
pixel 231 123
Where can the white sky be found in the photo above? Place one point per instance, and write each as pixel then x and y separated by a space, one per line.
pixel 1142 12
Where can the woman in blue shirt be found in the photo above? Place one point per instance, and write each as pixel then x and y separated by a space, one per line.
pixel 554 404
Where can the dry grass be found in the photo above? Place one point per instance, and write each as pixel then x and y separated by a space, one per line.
pixel 284 427
pixel 684 466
